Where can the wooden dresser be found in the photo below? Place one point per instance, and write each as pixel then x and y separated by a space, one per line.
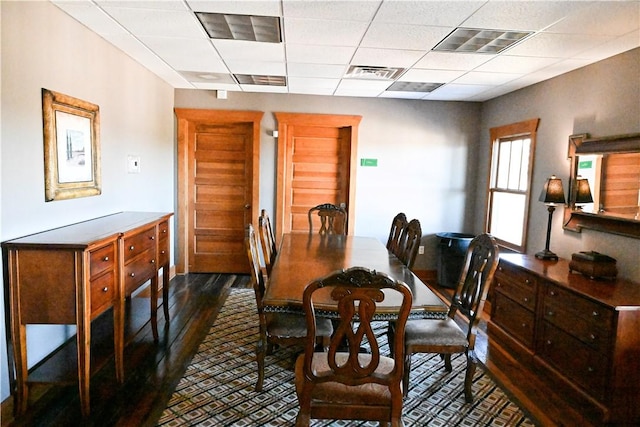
pixel 73 274
pixel 580 335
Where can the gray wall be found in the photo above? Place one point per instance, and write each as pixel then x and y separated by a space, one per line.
pixel 42 47
pixel 601 99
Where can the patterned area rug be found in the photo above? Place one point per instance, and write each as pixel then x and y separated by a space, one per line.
pixel 218 386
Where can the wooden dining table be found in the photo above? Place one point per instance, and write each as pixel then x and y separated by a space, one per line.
pixel 303 258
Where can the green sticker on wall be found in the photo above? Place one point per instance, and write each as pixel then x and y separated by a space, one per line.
pixel 585 164
pixel 369 162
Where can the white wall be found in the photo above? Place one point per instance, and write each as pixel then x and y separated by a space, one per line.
pixel 425 153
pixel 42 47
pixel 601 99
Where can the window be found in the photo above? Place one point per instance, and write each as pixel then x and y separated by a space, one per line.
pixel 512 148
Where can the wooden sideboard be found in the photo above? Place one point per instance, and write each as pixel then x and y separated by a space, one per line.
pixel 73 274
pixel 582 336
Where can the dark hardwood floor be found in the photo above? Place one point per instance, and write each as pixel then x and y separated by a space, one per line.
pixel 152 370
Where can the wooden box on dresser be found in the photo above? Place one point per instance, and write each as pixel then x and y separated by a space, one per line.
pixel 580 335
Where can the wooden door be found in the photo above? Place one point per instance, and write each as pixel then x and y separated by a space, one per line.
pixel 218 165
pixel 315 165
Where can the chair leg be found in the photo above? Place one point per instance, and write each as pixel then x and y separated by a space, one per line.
pixel 302 420
pixel 447 362
pixel 391 334
pixel 405 374
pixel 260 353
pixel 468 379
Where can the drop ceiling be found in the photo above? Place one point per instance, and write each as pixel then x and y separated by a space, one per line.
pixel 389 43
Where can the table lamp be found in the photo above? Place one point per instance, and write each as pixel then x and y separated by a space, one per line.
pixel 552 194
pixel 583 192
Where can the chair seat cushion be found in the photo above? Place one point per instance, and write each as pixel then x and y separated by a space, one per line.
pixel 431 332
pixel 333 392
pixel 294 325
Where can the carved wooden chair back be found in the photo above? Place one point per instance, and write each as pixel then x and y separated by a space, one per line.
pixel 333 219
pixel 274 328
pixel 397 225
pixel 409 243
pixel 269 249
pixel 447 337
pixel 348 384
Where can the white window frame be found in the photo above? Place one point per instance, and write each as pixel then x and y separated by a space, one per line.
pixel 506 135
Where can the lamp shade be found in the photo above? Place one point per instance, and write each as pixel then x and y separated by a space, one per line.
pixel 583 191
pixel 552 193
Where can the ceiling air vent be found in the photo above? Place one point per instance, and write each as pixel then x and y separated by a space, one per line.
pixel 413 87
pixel 241 27
pixel 475 40
pixel 373 73
pixel 253 79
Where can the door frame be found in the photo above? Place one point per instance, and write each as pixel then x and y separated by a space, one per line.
pixel 187 119
pixel 325 120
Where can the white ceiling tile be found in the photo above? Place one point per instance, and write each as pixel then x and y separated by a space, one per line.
pixel 328 33
pixel 312 91
pixel 314 54
pixel 483 78
pixel 453 91
pixel 452 61
pixel 613 47
pixel 91 16
pixel 186 54
pixel 297 83
pixel 430 76
pixel 158 23
pixel 244 7
pixel 420 12
pixel 369 85
pixel 331 10
pixel 608 18
pixel 556 45
pixel 144 4
pixel 249 50
pixel 255 67
pixel 515 64
pixel 316 70
pixel 386 57
pixel 399 36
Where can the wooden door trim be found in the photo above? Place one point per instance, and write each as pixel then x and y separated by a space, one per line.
pixel 329 120
pixel 187 118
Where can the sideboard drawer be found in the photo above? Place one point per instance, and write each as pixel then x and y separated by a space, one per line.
pixel 103 293
pixel 584 365
pixel 514 318
pixel 139 243
pixel 102 259
pixel 524 296
pixel 516 275
pixel 591 333
pixel 139 271
pixel 590 311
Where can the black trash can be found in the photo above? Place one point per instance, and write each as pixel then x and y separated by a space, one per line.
pixel 452 248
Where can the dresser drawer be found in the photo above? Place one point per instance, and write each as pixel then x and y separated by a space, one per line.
pixel 139 271
pixel 594 314
pixel 513 318
pixel 102 259
pixel 582 364
pixel 139 243
pixel 103 293
pixel 524 296
pixel 587 331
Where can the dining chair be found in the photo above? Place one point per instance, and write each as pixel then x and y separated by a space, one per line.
pixel 333 219
pixel 409 243
pixel 446 337
pixel 275 328
pixel 397 225
pixel 267 240
pixel 351 385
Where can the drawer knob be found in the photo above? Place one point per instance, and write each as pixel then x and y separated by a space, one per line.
pixel 152 237
pixel 590 369
pixel 524 325
pixel 164 231
pixel 550 313
pixel 500 269
pixel 549 342
pixel 132 274
pixel 105 289
pixel 525 299
pixel 592 337
pixel 552 293
pixel 105 258
pixel 162 252
pixel 131 247
pixel 595 313
pixel 526 281
pixel 153 261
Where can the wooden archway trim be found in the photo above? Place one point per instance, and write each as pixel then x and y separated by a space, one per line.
pixel 187 119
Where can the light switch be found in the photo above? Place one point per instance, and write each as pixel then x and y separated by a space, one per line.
pixel 133 164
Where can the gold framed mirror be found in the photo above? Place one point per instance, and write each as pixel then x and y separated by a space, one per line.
pixel 604 184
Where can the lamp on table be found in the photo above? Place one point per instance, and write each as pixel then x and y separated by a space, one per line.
pixel 552 195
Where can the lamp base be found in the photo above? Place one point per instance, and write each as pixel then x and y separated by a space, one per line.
pixel 546 254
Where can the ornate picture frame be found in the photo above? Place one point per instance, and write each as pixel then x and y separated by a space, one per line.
pixel 71 129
